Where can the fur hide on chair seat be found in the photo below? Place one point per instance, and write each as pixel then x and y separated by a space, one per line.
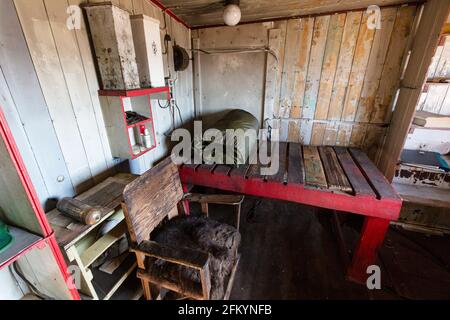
pixel 220 240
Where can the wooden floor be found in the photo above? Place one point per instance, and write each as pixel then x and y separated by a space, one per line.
pixel 289 251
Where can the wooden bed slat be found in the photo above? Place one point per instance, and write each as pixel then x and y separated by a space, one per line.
pixel 336 178
pixel 296 170
pixel 241 171
pixel 281 175
pixel 222 169
pixel 356 178
pixel 254 172
pixel 378 181
pixel 314 173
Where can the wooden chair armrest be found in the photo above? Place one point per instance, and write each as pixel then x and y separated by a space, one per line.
pixel 229 199
pixel 191 258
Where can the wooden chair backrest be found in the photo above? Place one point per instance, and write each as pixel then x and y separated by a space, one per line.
pixel 150 198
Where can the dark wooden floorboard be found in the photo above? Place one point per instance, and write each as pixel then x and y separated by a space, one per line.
pixel 289 251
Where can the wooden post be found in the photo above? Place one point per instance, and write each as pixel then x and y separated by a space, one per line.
pixel 424 45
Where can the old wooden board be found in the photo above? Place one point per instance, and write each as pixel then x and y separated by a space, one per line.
pixel 296 171
pixel 150 198
pixel 314 172
pixel 107 195
pixel 280 176
pixel 255 172
pixel 336 178
pixel 356 178
pixel 381 186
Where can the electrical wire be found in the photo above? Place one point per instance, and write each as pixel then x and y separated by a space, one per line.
pixel 164 107
pixel 179 114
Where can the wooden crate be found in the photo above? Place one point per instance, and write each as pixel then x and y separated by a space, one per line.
pixel 82 245
pixel 112 37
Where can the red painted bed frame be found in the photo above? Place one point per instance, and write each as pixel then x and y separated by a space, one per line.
pixel 372 196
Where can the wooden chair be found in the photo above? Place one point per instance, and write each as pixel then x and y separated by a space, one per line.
pixel 151 205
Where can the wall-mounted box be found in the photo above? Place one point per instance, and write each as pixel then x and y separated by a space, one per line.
pixel 112 37
pixel 128 115
pixel 147 43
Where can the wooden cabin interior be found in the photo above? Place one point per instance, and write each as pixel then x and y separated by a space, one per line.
pixel 353 97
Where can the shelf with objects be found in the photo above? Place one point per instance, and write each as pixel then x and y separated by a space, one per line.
pixel 129 120
pixel 27 241
pixel 100 250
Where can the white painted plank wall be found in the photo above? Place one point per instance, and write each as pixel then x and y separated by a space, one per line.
pixel 68 124
pixel 25 109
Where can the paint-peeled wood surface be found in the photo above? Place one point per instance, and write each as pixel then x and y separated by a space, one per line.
pixel 114 48
pixel 336 178
pixel 344 67
pixel 435 98
pixel 440 66
pixel 318 44
pixel 150 198
pixel 334 80
pixel 392 68
pixel 210 12
pixel 376 61
pixel 332 48
pixel 360 60
pixel 314 171
pixel 339 170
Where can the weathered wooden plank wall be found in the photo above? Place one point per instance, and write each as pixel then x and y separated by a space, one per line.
pixel 436 94
pixel 49 87
pixel 338 78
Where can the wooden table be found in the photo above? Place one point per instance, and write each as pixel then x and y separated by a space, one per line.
pixel 334 178
pixel 82 245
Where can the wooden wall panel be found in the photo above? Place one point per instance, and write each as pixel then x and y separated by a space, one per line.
pixel 67 123
pixel 390 78
pixel 25 109
pixel 359 66
pixel 376 61
pixel 318 45
pixel 332 49
pixel 349 38
pixel 51 68
pixel 337 76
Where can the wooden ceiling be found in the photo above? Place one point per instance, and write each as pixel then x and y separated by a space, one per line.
pixel 201 13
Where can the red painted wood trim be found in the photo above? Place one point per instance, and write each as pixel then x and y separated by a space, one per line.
pixel 32 196
pixel 169 12
pixel 133 93
pixel 38 244
pixel 364 205
pixel 19 165
pixel 51 240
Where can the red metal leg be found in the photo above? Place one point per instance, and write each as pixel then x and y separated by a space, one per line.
pixel 372 237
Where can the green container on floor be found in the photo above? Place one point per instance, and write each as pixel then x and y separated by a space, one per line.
pixel 5 238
